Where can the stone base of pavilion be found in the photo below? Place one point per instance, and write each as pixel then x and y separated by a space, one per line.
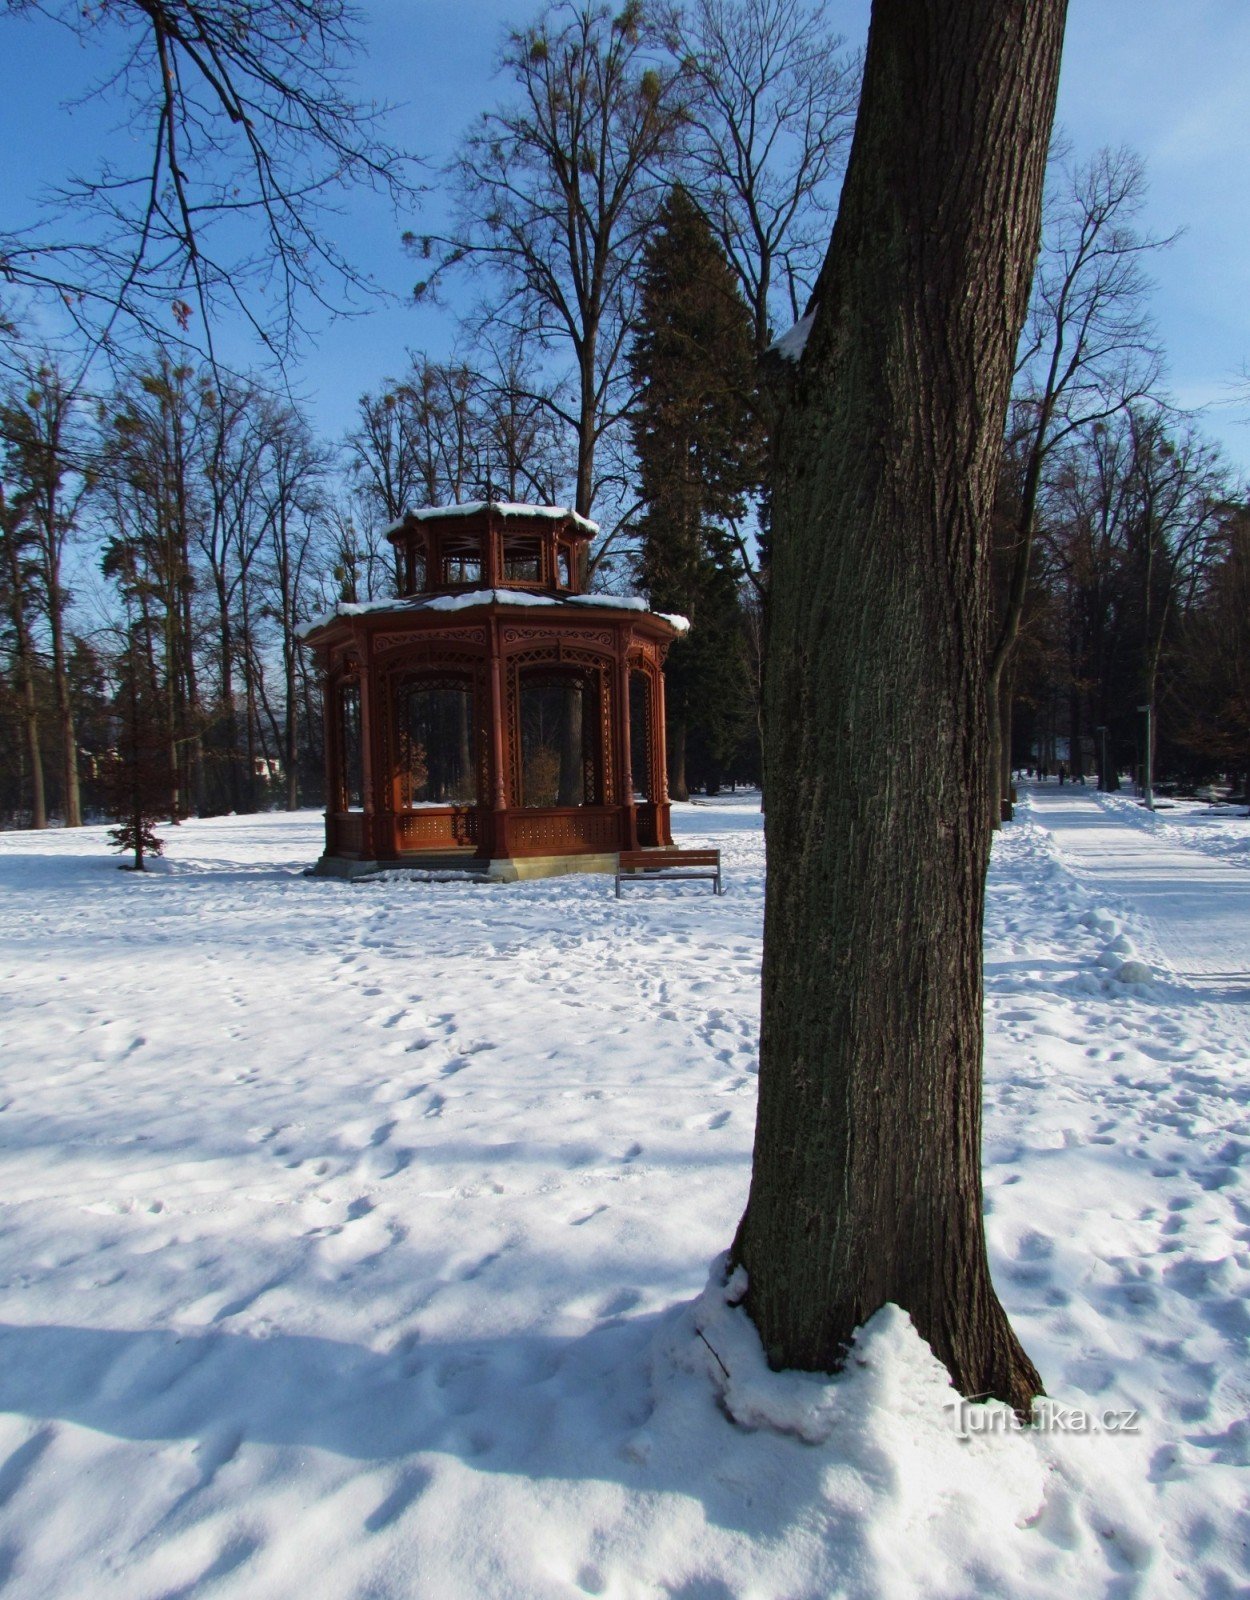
pixel 511 869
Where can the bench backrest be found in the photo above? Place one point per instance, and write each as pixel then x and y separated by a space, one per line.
pixel 668 858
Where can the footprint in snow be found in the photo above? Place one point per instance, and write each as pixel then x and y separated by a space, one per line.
pixel 410 1486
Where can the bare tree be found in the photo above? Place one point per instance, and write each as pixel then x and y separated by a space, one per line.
pixel 866 1184
pixel 18 586
pixel 153 459
pixel 1089 350
pixel 556 192
pixel 772 109
pixel 245 115
pixel 40 426
pixel 292 487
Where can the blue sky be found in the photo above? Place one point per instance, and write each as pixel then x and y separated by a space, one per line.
pixel 1170 78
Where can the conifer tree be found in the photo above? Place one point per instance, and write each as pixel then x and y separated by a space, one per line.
pixel 137 781
pixel 697 445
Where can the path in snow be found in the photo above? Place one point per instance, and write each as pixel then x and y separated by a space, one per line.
pixel 1196 906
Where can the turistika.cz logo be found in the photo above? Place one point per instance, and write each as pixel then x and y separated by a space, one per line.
pixel 974 1420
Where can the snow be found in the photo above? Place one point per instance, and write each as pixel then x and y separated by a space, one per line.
pixel 791 345
pixel 502 508
pixel 355 1240
pixel 480 597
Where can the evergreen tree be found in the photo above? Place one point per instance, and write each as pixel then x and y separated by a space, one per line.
pixel 136 782
pixel 697 444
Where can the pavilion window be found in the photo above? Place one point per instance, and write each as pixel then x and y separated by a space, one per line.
pixel 416 570
pixel 640 734
pixel 351 772
pixel 559 712
pixel 522 560
pixel 435 739
pixel 565 564
pixel 462 561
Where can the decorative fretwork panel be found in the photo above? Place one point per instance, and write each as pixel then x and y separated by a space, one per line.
pixel 543 833
pixel 436 830
pixel 514 634
pixel 435 638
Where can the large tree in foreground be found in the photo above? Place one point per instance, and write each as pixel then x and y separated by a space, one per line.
pixel 866 1186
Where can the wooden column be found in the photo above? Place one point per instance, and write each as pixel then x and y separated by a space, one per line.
pixel 499 745
pixel 629 811
pixel 331 759
pixel 373 842
pixel 659 746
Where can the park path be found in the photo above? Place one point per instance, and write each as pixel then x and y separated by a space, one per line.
pixel 1195 906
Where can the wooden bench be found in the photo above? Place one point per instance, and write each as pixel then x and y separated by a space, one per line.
pixel 649 866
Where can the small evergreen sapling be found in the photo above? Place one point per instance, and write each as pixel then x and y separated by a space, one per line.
pixel 137 781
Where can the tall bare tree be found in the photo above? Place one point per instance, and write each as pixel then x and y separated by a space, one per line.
pixel 866 1185
pixel 774 91
pixel 18 587
pixel 40 428
pixel 1089 350
pixel 556 192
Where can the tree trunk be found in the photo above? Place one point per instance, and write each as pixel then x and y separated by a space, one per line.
pixel 1006 702
pixel 866 1185
pixel 676 738
pixel 24 677
pixel 994 686
pixel 30 720
pixel 65 715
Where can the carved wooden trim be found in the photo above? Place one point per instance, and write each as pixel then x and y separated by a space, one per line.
pixel 552 637
pixel 396 641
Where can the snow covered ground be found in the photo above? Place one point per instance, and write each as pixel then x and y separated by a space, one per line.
pixel 350 1236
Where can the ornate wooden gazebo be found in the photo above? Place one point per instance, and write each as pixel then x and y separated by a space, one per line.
pixel 495 716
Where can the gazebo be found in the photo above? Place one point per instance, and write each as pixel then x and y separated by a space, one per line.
pixel 495 717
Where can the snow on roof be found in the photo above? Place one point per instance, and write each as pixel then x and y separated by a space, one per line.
pixel 503 508
pixel 482 597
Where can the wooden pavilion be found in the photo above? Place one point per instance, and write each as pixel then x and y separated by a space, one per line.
pixel 495 716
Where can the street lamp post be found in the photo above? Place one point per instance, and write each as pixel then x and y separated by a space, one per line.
pixel 1147 762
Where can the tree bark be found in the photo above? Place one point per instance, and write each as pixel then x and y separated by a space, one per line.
pixel 23 670
pixel 866 1186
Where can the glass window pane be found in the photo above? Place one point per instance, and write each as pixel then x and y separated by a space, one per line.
pixel 521 561
pixel 558 765
pixel 352 775
pixel 434 743
pixel 640 734
pixel 462 561
pixel 462 569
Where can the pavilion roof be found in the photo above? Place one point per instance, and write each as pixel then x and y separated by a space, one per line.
pixel 501 508
pixel 480 597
